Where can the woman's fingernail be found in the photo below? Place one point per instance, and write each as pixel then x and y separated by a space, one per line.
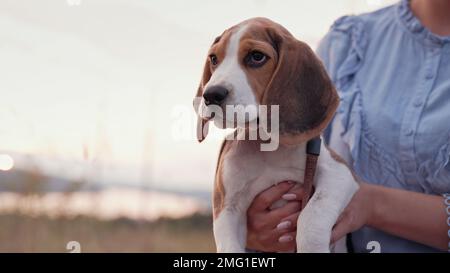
pixel 289 196
pixel 284 225
pixel 285 239
pixel 284 183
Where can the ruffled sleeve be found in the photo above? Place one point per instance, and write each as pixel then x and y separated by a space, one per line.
pixel 342 49
pixel 437 171
pixel 342 52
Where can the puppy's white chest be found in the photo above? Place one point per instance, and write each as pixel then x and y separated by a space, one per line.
pixel 248 171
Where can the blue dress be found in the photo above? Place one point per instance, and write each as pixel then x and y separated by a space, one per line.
pixel 393 122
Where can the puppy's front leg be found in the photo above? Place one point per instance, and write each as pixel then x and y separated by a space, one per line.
pixel 230 230
pixel 317 220
pixel 335 186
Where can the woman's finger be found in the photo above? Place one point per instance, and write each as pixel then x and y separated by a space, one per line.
pixel 278 214
pixel 289 222
pixel 287 238
pixel 341 228
pixel 296 193
pixel 267 240
pixel 266 198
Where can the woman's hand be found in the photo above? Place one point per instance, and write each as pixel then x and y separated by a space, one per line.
pixel 358 213
pixel 274 230
pixel 414 216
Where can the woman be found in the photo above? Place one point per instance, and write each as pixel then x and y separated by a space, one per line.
pixel 392 70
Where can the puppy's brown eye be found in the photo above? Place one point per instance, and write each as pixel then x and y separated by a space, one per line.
pixel 213 59
pixel 256 59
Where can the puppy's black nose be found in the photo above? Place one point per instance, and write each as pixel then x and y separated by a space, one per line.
pixel 215 95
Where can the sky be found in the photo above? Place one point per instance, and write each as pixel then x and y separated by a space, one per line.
pixel 102 89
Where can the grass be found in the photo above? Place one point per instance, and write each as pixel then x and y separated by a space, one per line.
pixel 23 233
pixel 24 230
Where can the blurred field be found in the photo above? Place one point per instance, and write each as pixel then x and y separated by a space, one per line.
pixel 21 233
pixel 41 213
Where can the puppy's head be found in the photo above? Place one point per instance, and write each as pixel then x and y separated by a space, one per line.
pixel 258 62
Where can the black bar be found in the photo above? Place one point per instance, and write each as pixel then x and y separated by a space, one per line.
pixel 261 262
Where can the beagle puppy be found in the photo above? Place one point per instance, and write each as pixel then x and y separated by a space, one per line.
pixel 259 63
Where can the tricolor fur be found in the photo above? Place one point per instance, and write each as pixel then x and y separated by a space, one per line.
pixel 292 77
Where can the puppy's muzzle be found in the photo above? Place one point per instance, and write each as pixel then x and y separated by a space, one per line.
pixel 215 95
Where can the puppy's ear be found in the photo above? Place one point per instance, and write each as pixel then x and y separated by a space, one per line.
pixel 301 87
pixel 202 124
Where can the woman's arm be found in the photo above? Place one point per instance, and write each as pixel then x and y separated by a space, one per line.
pixel 410 215
pixel 414 216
